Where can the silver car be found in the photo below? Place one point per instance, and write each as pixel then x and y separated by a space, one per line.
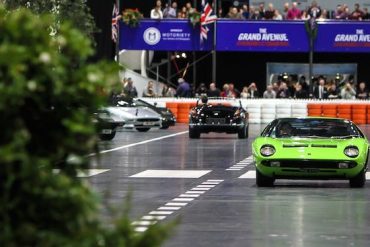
pixel 138 117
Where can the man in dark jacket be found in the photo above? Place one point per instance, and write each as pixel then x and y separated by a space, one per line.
pixel 183 90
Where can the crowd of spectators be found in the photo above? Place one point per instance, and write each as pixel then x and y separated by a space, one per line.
pixel 288 89
pixel 290 11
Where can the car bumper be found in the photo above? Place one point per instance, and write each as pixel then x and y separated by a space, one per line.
pixel 228 128
pixel 309 169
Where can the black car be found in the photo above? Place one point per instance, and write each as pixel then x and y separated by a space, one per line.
pixel 206 117
pixel 168 119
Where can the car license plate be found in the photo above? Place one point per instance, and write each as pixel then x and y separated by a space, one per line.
pixel 148 123
pixel 310 170
pixel 106 131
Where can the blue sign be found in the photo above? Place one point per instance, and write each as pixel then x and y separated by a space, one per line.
pixel 262 36
pixel 343 37
pixel 164 35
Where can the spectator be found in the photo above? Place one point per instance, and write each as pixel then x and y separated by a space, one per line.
pixel 320 91
pixel 357 13
pixel 245 12
pixel 348 92
pixel 333 91
pixel 254 14
pixel 285 10
pixel 201 90
pixel 294 13
pixel 167 91
pixel 189 8
pixel 362 92
pixel 277 15
pixel 213 90
pixel 300 93
pixel 261 10
pixel 129 89
pixel 283 92
pixel 345 14
pixel 171 12
pixel 234 14
pixel 270 12
pixel 269 93
pixel 244 94
pixel 305 15
pixel 149 90
pixel 338 12
pixel 314 11
pixel 183 90
pixel 183 14
pixel 225 91
pixel 156 12
pixel 324 15
pixel 366 15
pixel 253 91
pixel 234 93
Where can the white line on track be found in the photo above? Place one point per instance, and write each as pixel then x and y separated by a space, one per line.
pixel 139 143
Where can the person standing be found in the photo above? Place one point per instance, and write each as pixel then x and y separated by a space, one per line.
pixel 149 90
pixel 320 91
pixel 269 93
pixel 362 92
pixel 156 12
pixel 213 90
pixel 183 90
pixel 129 89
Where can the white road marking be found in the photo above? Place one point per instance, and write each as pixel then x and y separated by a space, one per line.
pixel 161 212
pixel 176 204
pixel 171 174
pixel 244 163
pixel 215 180
pixel 194 192
pixel 367 175
pixel 183 199
pixel 189 195
pixel 139 143
pixel 143 223
pixel 215 183
pixel 206 186
pixel 153 217
pixel 202 189
pixel 232 169
pixel 249 174
pixel 141 229
pixel 169 208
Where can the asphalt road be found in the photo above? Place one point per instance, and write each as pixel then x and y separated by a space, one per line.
pixel 209 183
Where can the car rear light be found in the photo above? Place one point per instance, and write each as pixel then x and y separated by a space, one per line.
pixel 351 151
pixel 267 150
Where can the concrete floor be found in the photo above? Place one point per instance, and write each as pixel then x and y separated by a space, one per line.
pixel 219 203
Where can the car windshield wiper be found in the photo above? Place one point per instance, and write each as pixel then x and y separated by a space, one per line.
pixel 318 137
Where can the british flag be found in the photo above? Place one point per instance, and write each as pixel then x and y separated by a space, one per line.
pixel 115 18
pixel 206 18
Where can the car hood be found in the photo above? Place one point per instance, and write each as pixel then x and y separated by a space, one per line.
pixel 129 113
pixel 308 148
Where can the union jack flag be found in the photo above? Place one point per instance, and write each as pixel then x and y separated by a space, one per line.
pixel 115 18
pixel 206 18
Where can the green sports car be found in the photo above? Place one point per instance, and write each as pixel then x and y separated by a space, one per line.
pixel 311 148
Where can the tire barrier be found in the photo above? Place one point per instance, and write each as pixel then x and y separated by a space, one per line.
pixel 266 110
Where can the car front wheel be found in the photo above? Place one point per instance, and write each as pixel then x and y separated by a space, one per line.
pixel 142 129
pixel 194 134
pixel 107 137
pixel 358 181
pixel 263 181
pixel 243 133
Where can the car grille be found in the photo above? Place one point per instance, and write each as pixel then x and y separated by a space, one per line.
pixel 215 121
pixel 147 120
pixel 309 163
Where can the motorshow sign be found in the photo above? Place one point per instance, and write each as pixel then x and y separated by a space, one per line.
pixel 164 35
pixel 262 36
pixel 343 37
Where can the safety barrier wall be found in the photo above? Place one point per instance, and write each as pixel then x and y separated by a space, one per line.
pixel 266 110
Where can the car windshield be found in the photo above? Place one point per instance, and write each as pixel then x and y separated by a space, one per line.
pixel 313 128
pixel 129 102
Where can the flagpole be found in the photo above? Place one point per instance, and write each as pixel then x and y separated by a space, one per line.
pixel 118 3
pixel 214 55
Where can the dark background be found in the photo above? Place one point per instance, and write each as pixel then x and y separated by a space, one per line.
pixel 241 68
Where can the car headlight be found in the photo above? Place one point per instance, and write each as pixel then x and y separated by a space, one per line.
pixel 267 150
pixel 351 151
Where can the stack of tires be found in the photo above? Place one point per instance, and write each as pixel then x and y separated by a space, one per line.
pixel 254 111
pixel 268 112
pixel 359 113
pixel 344 111
pixel 283 110
pixel 299 110
pixel 183 112
pixel 173 107
pixel 329 110
pixel 314 110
